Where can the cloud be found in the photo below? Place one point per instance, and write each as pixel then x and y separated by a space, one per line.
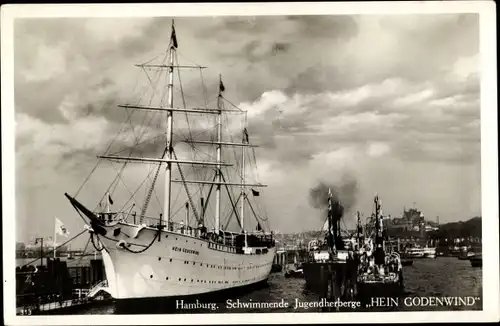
pixel 378 149
pixel 390 100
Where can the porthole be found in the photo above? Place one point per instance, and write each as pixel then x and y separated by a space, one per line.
pixel 179 278
pixel 159 258
pixel 166 278
pixel 166 236
pixel 184 280
pixel 170 259
pixel 150 276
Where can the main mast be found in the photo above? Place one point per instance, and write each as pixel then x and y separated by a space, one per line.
pixel 169 132
pixel 219 154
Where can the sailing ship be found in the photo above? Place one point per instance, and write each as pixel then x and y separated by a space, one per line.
pixel 146 257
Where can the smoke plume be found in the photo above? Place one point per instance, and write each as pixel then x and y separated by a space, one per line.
pixel 343 196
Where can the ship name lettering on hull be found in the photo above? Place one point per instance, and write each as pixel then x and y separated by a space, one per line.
pixel 187 251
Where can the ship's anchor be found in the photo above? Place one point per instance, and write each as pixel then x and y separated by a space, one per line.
pixel 122 244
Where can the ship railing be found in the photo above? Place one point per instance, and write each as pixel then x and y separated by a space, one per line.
pixel 224 237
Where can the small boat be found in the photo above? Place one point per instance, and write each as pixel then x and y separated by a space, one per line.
pixel 297 273
pixel 465 254
pixel 429 252
pixel 415 252
pixel 476 260
pixel 406 261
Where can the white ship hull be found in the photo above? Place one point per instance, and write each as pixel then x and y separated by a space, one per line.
pixel 175 265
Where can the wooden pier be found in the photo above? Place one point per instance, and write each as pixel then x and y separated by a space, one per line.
pixel 56 286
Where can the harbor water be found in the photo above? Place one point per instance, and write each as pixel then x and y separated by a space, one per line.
pixel 426 278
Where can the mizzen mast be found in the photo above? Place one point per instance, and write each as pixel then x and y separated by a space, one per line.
pixel 242 207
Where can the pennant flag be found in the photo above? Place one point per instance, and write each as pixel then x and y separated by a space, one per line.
pixel 174 37
pixel 60 228
pixel 255 193
pixel 245 135
pixel 221 87
pixel 110 200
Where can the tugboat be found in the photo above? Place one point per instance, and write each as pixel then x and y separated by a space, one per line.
pixel 329 262
pixel 380 272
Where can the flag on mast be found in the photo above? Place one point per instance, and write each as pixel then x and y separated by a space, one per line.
pixel 245 135
pixel 109 198
pixel 60 229
pixel 221 86
pixel 174 37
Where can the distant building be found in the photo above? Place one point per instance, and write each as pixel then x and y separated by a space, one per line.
pixel 399 224
pixel 411 220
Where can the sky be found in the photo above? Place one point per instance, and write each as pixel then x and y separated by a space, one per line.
pixel 389 102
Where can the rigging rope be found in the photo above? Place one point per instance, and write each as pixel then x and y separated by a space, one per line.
pixel 229 217
pixel 150 192
pixel 137 138
pixel 251 207
pixel 232 203
pixel 51 251
pixel 187 190
pixel 83 252
pixel 191 138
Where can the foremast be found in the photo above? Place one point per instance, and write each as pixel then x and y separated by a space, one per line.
pixel 169 131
